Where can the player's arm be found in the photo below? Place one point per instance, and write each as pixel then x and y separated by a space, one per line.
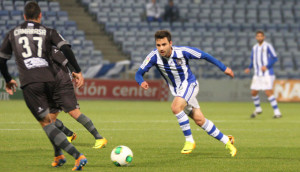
pixel 5 54
pixel 194 53
pixel 11 85
pixel 273 57
pixel 140 80
pixel 63 45
pixel 67 51
pixel 4 70
pixel 147 64
pixel 247 70
pixel 59 42
pixel 218 63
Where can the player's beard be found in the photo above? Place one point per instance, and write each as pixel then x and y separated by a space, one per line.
pixel 260 42
pixel 167 54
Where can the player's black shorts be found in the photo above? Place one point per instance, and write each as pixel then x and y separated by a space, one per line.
pixel 38 98
pixel 64 94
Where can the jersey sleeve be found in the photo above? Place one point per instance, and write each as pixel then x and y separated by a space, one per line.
pixel 251 60
pixel 194 53
pixel 57 40
pixel 58 56
pixel 147 64
pixel 273 56
pixel 191 52
pixel 271 51
pixel 6 48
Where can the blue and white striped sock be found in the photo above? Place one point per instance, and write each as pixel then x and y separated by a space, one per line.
pixel 184 123
pixel 274 105
pixel 256 102
pixel 213 131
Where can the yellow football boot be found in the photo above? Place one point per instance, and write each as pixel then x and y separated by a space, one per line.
pixel 188 147
pixel 71 138
pixel 100 143
pixel 230 147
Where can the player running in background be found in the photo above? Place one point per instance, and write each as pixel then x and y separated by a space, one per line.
pixel 173 64
pixel 31 43
pixel 263 57
pixel 65 98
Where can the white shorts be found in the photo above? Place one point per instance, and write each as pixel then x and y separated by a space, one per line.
pixel 191 98
pixel 262 82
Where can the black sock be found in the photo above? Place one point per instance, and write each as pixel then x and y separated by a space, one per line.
pixel 58 138
pixel 57 150
pixel 88 124
pixel 59 124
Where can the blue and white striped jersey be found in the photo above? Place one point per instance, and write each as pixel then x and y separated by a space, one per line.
pixel 175 69
pixel 263 55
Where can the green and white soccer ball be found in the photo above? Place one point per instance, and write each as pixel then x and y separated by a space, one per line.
pixel 121 155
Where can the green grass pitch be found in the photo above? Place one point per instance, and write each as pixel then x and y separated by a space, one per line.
pixel 153 134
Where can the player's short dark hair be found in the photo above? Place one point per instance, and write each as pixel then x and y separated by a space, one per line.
pixel 162 34
pixel 261 32
pixel 32 10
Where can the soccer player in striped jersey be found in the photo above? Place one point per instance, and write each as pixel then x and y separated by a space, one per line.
pixel 173 64
pixel 263 57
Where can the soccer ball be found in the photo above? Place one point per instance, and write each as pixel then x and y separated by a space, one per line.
pixel 121 155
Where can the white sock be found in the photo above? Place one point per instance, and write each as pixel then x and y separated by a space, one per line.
pixel 213 131
pixel 184 124
pixel 274 105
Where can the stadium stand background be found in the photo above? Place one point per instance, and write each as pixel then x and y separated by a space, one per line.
pixel 11 14
pixel 224 28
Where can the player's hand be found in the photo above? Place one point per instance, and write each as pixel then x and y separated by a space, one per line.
pixel 229 72
pixel 11 87
pixel 264 68
pixel 79 80
pixel 145 85
pixel 247 70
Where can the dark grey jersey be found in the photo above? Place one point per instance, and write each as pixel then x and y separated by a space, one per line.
pixel 31 43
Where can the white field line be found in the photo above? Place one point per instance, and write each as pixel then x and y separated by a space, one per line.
pixel 170 121
pixel 139 129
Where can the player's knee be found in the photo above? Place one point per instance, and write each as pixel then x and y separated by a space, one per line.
pixel 254 93
pixel 75 113
pixel 45 121
pixel 176 109
pixel 269 93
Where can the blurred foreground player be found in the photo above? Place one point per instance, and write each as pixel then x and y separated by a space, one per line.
pixel 65 98
pixel 31 43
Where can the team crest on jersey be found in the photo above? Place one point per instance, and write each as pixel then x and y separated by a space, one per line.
pixel 179 62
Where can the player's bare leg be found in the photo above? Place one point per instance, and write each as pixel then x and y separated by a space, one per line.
pixel 273 102
pixel 256 101
pixel 212 130
pixel 177 107
pixel 88 124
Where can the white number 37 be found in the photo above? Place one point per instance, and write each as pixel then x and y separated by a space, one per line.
pixel 24 40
